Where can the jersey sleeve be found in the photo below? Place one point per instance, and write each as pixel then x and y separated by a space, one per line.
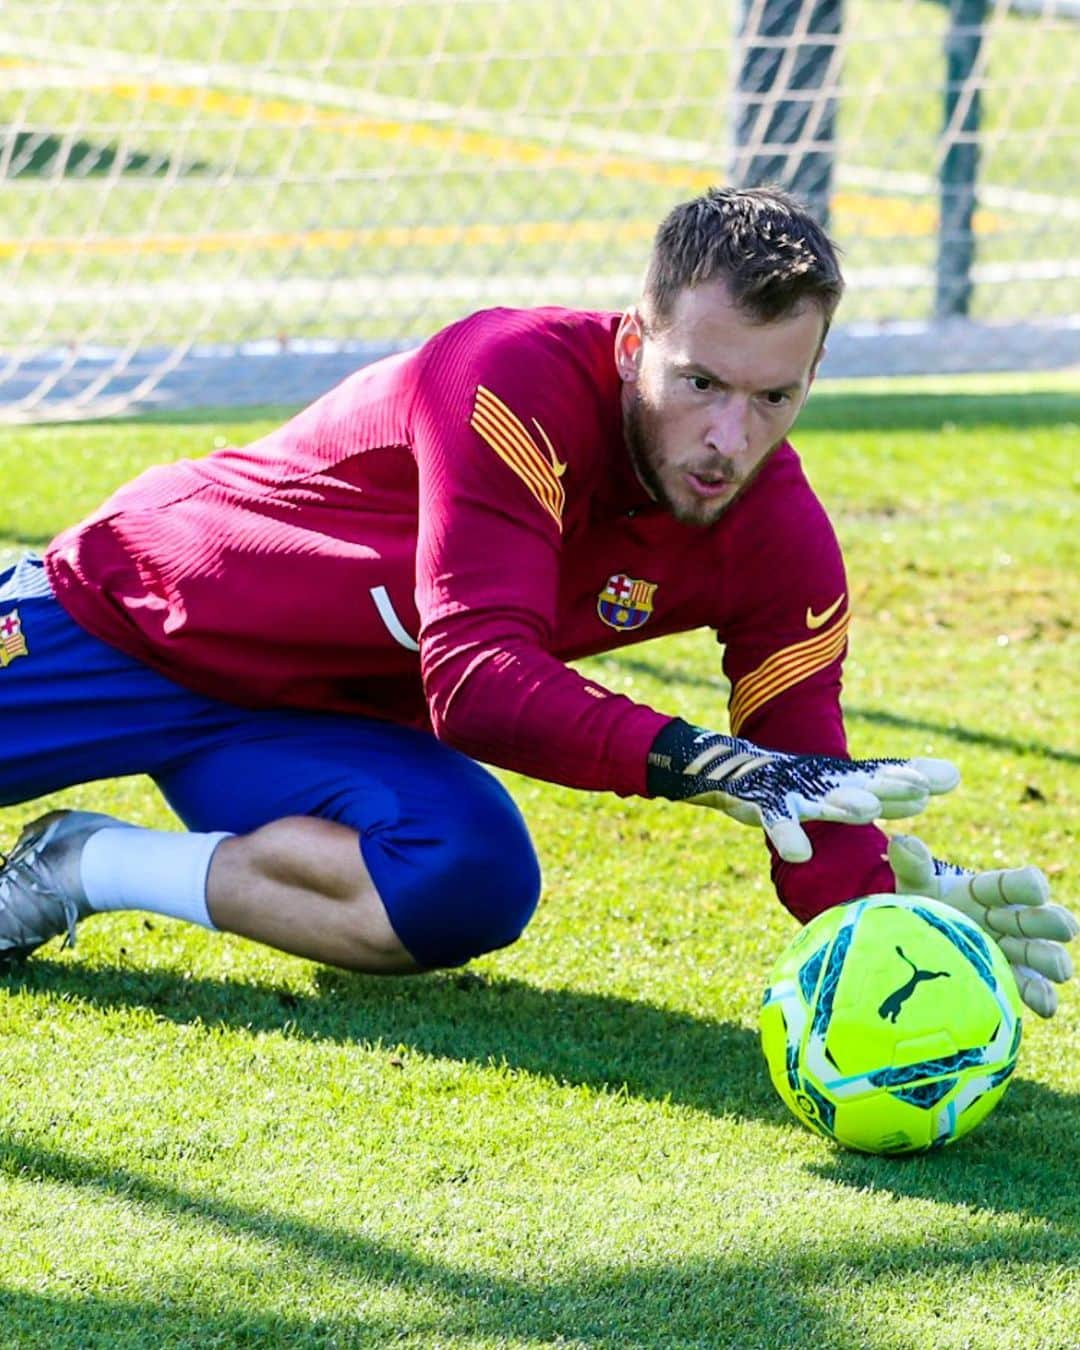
pixel 503 432
pixel 784 655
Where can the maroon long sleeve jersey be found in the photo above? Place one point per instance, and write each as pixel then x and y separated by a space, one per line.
pixel 433 540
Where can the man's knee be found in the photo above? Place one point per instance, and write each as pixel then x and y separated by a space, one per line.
pixel 468 891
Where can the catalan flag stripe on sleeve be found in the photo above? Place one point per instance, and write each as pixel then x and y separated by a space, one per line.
pixel 507 436
pixel 785 668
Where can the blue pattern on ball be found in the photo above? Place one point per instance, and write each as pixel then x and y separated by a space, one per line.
pixel 825 1109
pixel 929 1068
pixel 809 972
pixel 971 944
pixel 837 954
pixel 926 1094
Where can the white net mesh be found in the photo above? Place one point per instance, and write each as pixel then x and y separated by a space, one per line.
pixel 293 182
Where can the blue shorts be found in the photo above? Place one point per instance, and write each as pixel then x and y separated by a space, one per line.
pixel 444 843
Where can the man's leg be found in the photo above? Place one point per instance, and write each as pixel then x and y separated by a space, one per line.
pixel 405 854
pixel 75 710
pixel 300 885
pixel 357 843
pixel 429 868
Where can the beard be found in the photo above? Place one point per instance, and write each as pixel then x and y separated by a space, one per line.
pixel 641 433
pixel 641 443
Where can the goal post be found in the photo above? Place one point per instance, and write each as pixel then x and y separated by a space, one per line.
pixel 205 201
pixel 786 90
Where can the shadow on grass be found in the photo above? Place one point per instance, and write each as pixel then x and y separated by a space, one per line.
pixel 15 540
pixel 714 1302
pixel 598 1040
pixel 239 414
pixel 718 685
pixel 916 410
pixel 963 735
pixel 1023 1160
pixel 606 1043
pixel 726 1300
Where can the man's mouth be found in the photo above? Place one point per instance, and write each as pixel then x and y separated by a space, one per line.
pixel 709 485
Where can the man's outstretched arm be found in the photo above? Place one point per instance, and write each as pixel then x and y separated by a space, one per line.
pixel 506 435
pixel 778 791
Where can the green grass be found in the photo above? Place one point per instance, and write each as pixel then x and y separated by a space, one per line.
pixel 574 1142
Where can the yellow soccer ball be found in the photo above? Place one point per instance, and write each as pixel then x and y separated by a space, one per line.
pixel 891 1024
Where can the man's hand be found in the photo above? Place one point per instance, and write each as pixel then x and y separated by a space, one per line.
pixel 777 790
pixel 1011 904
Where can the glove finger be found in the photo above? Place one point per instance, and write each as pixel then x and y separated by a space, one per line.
pixel 1067 924
pixel 941 775
pixel 746 813
pixel 1036 991
pixel 1045 958
pixel 959 899
pixel 1029 921
pixel 906 776
pixel 912 866
pixel 894 810
pixel 788 837
pixel 852 805
pixel 897 782
pixel 1010 886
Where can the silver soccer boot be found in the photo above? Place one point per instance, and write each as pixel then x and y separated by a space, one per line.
pixel 41 894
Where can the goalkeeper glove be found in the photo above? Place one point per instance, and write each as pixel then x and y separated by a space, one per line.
pixel 777 790
pixel 1011 904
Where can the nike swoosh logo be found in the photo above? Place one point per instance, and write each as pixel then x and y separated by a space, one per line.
pixel 816 620
pixel 558 465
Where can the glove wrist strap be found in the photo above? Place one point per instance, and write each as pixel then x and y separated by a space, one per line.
pixel 685 760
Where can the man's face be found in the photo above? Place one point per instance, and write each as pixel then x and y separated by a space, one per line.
pixel 708 398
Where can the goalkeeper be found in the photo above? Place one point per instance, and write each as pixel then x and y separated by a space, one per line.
pixel 310 642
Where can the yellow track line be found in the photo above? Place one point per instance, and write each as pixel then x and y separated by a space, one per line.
pixel 390 236
pixel 853 215
pixel 415 135
pixel 903 217
pixel 859 213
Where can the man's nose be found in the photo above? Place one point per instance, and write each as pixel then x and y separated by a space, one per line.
pixel 728 432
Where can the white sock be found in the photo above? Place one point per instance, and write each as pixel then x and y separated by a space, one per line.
pixel 162 871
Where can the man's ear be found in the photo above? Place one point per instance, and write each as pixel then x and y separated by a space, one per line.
pixel 629 337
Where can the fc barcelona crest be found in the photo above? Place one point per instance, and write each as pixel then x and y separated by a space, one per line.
pixel 12 638
pixel 625 602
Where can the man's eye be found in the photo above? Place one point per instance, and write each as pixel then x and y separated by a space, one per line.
pixel 700 383
pixel 776 398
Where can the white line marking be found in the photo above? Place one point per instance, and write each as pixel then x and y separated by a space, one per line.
pixel 382 292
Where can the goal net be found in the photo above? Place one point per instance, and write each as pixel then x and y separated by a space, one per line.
pixel 204 201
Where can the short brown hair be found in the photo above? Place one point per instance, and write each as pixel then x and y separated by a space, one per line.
pixel 763 243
